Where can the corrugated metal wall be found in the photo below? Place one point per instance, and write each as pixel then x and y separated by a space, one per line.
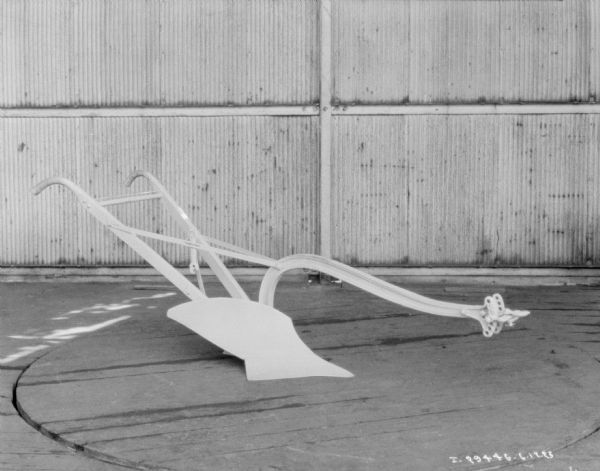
pixel 465 51
pixel 467 190
pixel 157 52
pixel 490 190
pixel 493 190
pixel 246 180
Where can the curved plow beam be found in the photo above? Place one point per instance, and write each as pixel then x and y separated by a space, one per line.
pixel 492 315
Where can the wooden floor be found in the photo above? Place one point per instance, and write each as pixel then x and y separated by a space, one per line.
pixel 429 393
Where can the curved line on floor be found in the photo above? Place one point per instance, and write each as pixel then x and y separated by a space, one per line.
pixel 129 464
pixel 80 449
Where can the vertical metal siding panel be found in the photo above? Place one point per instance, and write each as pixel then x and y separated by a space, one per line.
pixel 35 230
pixel 473 44
pixel 112 148
pixel 46 53
pixel 508 177
pixel 454 50
pixel 48 159
pixel 188 71
pixel 484 190
pixel 504 190
pixel 12 63
pixel 124 31
pixel 250 181
pixel 371 61
pixel 541 216
pixel 545 51
pixel 565 189
pixel 247 181
pixel 194 148
pixel 370 193
pixel 53 228
pixel 447 185
pixel 151 52
pixel 428 51
pixel 462 51
pixel 84 52
pixel 594 21
pixel 579 55
pixel 592 236
pixel 259 52
pixel 506 187
pixel 490 147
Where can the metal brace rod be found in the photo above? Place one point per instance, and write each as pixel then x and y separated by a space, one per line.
pixel 225 245
pixel 147 195
pixel 202 248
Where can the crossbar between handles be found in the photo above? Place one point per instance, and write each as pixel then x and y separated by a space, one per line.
pixel 149 195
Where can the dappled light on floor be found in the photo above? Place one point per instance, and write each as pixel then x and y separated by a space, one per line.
pixel 78 324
